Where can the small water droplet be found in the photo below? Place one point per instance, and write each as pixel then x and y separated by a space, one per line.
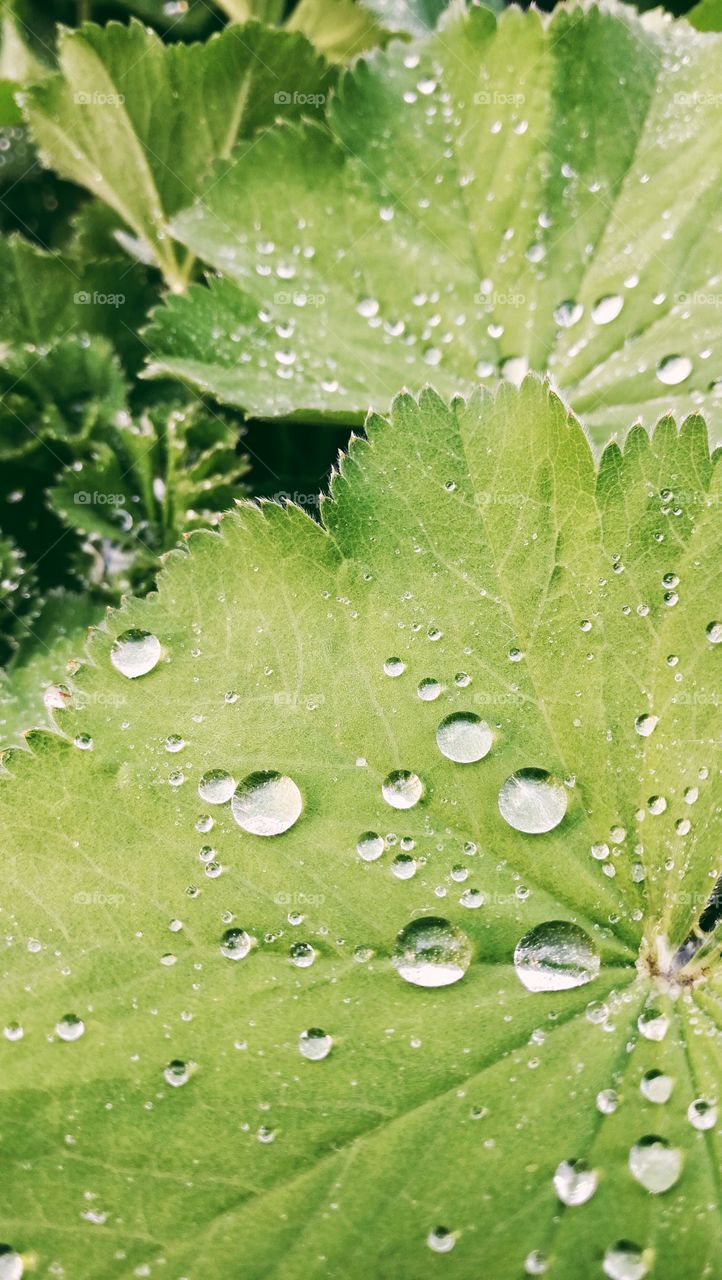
pixel 402 789
pixel 429 689
pixel 176 1073
pixel 655 1086
pixel 555 956
pixel 702 1114
pixel 624 1261
pixel 267 803
pixel 70 1027
pixel 646 724
pixel 370 846
pixel 568 313
pixel 607 1101
pixel 216 786
pixel 464 737
pixel 652 1024
pixel 394 667
pixel 441 1240
pixel 302 955
pixel 236 944
pixel 714 632
pixel 532 801
pixel 574 1182
pixel 135 653
pixel 431 952
pixel 12 1266
pixel 607 308
pixel 674 369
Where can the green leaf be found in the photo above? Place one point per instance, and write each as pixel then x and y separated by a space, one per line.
pixel 706 16
pixel 33 681
pixel 478 547
pixel 146 484
pixel 522 191
pixel 18 66
pixel 338 28
pixel 139 123
pixel 244 10
pixel 18 601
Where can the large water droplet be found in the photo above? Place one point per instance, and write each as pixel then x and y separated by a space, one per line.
pixel 441 1240
pixel 314 1044
pixel 431 952
pixel 655 1164
pixel 652 1024
pixel 402 789
pixel 655 1086
pixel 714 632
pixel 235 944
pixel 464 737
pixel 646 724
pixel 624 1261
pixel 70 1027
pixel 555 956
pixel 574 1182
pixel 674 369
pixel 302 954
pixel 135 653
pixel 533 801
pixel 267 803
pixel 216 786
pixel 370 846
pixel 607 308
pixel 11 1264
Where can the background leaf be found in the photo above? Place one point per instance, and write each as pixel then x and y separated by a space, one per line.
pixel 511 193
pixel 475 547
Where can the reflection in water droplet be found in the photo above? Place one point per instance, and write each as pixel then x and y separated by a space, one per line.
pixel 441 1240
pixel 652 1024
pixel 607 308
pixel 70 1027
pixel 402 789
pixel 574 1182
pixel 464 737
pixel 429 689
pixel 624 1261
pixel 431 952
pixel 714 632
pixel 314 1044
pixel 135 653
pixel 655 1086
pixel 216 786
pixel 533 801
pixel 235 944
pixel 302 955
pixel 674 369
pixel 370 846
pixel 394 667
pixel 702 1114
pixel 555 956
pixel 267 803
pixel 655 1164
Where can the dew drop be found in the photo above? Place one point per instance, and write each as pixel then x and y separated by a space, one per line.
pixel 370 846
pixel 216 786
pixel 674 369
pixel 652 1024
pixel 70 1027
pixel 607 308
pixel 236 944
pixel 314 1044
pixel 11 1264
pixel 555 956
pixel 302 955
pixel 464 737
pixel 607 1101
pixel 431 952
pixel 402 789
pixel 441 1240
pixel 702 1114
pixel 429 689
pixel 176 1073
pixel 568 313
pixel 713 632
pixel 135 653
pixel 655 1164
pixel 394 667
pixel 574 1182
pixel 655 1086
pixel 624 1261
pixel 532 801
pixel 266 803
pixel 646 724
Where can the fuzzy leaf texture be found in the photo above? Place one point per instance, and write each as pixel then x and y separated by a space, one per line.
pixel 527 191
pixel 470 1102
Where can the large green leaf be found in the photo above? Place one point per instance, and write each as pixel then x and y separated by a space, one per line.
pixel 502 193
pixel 139 123
pixel 470 562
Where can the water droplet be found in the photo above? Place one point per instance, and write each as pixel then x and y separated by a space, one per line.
pixel 403 866
pixel 236 944
pixel 655 1086
pixel 174 742
pixel 574 1182
pixel 607 308
pixel 431 952
pixel 429 689
pixel 402 789
pixel 702 1114
pixel 314 1044
pixel 394 667
pixel 11 1264
pixel 646 724
pixel 441 1240
pixel 135 653
pixel 714 632
pixel 655 1164
pixel 216 786
pixel 555 956
pixel 302 955
pixel 176 1073
pixel 370 846
pixel 652 1024
pixel 568 313
pixel 464 737
pixel 624 1261
pixel 532 801
pixel 674 369
pixel 70 1027
pixel 514 369
pixel 607 1101
pixel 267 803
pixel 472 899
